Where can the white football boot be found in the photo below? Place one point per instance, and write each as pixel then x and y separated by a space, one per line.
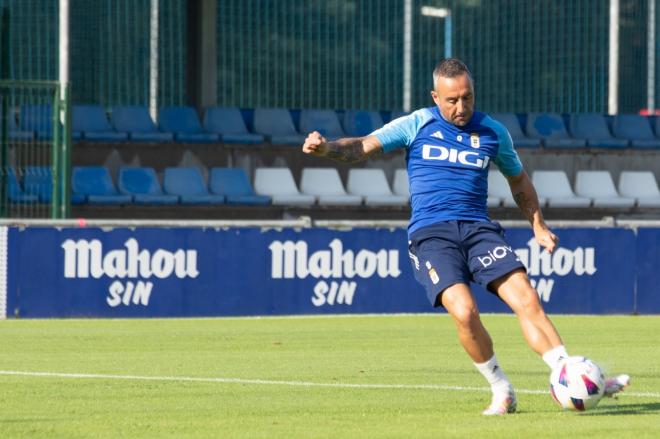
pixel 615 385
pixel 502 404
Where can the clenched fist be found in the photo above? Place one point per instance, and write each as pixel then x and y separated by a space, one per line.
pixel 315 144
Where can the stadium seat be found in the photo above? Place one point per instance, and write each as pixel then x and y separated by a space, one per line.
pixel 593 128
pixel 400 184
pixel 512 124
pixel 38 119
pixel 137 122
pixel 325 122
pixel 228 123
pixel 371 184
pixel 278 183
pixel 276 124
pixel 326 186
pixel 143 185
pixel 359 123
pixel 499 190
pixel 640 185
pixel 498 187
pixel 636 129
pixel 395 114
pixel 554 186
pixel 90 123
pixel 599 186
pixel 38 180
pixel 94 184
pixel 189 185
pixel 77 198
pixel 184 123
pixel 15 192
pixel 550 129
pixel 15 132
pixel 234 185
pixel 492 201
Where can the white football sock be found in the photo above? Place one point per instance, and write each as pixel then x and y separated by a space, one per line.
pixel 494 374
pixel 553 356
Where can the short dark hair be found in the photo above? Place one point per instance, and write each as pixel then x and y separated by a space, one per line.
pixel 450 68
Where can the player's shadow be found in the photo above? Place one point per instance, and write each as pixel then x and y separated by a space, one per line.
pixel 625 409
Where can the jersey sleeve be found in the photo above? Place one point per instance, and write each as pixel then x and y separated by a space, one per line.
pixel 400 132
pixel 507 159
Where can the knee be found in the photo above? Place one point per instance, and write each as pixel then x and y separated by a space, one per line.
pixel 466 316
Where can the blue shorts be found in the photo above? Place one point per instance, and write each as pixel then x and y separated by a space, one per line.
pixel 452 252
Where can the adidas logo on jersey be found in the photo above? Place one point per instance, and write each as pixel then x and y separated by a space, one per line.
pixel 438 135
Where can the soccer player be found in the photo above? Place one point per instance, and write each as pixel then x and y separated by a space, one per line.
pixel 452 241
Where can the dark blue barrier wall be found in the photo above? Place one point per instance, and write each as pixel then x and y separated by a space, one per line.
pixel 246 271
pixel 648 271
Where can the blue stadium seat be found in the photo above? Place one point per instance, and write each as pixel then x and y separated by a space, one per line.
pixel 550 129
pixel 77 198
pixel 359 123
pixel 276 124
pixel 184 123
pixel 90 122
pixel 229 124
pixel 325 122
pixel 95 185
pixel 395 114
pixel 512 124
pixel 234 184
pixel 38 119
pixel 38 180
pixel 14 190
pixel 15 132
pixel 593 128
pixel 137 122
pixel 188 184
pixel 143 185
pixel 636 129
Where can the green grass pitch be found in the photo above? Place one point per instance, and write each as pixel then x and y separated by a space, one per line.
pixel 344 377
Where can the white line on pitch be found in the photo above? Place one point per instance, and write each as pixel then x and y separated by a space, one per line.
pixel 281 383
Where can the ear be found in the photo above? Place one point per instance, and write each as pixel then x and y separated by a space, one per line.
pixel 435 97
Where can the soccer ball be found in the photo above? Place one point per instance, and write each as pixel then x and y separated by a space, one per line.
pixel 577 384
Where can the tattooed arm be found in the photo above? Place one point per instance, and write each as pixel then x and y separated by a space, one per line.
pixel 347 150
pixel 525 196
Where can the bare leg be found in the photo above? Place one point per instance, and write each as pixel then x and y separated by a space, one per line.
pixel 539 332
pixel 459 302
pixel 523 299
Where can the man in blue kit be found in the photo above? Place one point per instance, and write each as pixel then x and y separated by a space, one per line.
pixel 452 241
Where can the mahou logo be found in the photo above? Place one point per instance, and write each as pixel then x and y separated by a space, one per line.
pixel 291 260
pixel 562 262
pixel 84 259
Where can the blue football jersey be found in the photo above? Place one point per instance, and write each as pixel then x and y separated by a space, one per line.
pixel 448 165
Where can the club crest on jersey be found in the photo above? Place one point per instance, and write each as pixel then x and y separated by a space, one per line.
pixel 474 140
pixel 438 135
